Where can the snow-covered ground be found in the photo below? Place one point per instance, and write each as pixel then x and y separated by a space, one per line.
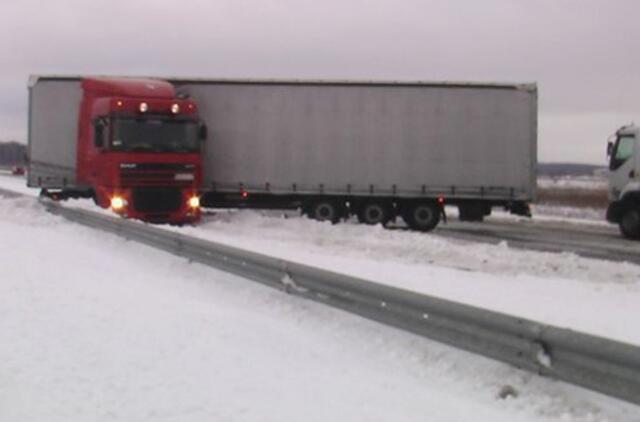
pixel 583 215
pixel 16 183
pixel 573 182
pixel 559 289
pixel 94 327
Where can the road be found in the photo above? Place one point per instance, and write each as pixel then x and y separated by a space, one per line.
pixel 593 241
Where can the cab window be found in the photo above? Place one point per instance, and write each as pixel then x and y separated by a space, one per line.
pixel 622 151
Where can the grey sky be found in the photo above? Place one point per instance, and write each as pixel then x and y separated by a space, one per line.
pixel 583 54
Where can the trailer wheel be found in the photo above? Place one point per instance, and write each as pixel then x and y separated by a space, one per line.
pixel 630 223
pixel 375 212
pixel 422 216
pixel 325 210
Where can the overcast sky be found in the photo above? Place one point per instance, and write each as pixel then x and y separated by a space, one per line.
pixel 583 54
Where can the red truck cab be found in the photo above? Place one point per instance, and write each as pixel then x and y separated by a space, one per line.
pixel 139 149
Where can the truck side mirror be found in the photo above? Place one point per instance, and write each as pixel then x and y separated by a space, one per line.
pixel 98 133
pixel 203 132
pixel 609 148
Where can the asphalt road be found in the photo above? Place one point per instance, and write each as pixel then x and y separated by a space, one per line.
pixel 594 241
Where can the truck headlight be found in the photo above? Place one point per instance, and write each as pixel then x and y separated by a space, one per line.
pixel 194 202
pixel 118 203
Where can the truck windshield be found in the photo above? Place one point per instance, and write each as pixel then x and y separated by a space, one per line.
pixel 622 151
pixel 155 135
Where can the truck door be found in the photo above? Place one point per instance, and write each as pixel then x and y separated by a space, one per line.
pixel 622 163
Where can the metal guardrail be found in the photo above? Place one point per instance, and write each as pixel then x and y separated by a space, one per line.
pixel 596 363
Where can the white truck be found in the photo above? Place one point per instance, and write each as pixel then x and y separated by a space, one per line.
pixel 624 181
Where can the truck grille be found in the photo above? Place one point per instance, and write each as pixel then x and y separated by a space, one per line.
pixel 157 200
pixel 156 174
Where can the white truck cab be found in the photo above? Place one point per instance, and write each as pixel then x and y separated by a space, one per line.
pixel 624 181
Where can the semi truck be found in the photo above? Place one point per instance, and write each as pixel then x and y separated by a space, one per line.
pixel 333 149
pixel 132 145
pixel 624 181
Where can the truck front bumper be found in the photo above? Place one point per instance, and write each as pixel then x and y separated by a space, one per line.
pixel 173 206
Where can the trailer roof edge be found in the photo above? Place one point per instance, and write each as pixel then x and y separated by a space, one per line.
pixel 525 86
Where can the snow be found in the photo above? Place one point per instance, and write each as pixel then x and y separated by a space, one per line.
pixel 95 327
pixel 16 183
pixel 575 215
pixel 561 289
pixel 574 182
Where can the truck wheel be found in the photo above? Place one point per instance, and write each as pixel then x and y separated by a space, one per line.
pixel 422 216
pixel 630 223
pixel 374 213
pixel 325 210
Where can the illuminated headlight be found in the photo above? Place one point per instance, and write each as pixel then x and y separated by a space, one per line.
pixel 144 107
pixel 175 108
pixel 183 176
pixel 118 203
pixel 194 202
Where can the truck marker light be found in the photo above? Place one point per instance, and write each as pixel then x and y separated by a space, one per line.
pixel 245 194
pixel 194 202
pixel 119 103
pixel 175 108
pixel 441 200
pixel 190 106
pixel 144 107
pixel 118 203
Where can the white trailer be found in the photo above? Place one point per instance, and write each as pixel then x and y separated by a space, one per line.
pixel 374 149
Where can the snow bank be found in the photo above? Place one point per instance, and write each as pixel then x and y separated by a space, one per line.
pixel 559 289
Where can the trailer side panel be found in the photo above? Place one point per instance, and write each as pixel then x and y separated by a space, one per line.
pixel 377 139
pixel 53 124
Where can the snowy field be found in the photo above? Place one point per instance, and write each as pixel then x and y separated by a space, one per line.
pixel 583 215
pixel 575 197
pixel 574 182
pixel 94 327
